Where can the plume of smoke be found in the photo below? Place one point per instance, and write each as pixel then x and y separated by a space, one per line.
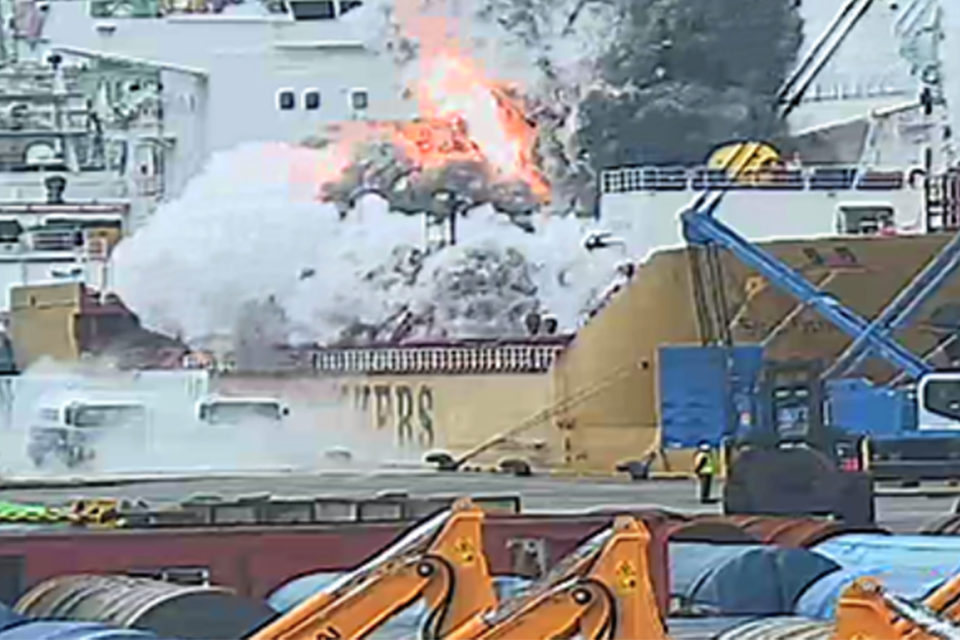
pixel 248 229
pixel 550 49
pixel 247 250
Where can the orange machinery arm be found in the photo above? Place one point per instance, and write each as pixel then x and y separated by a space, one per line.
pixel 867 612
pixel 440 561
pixel 602 591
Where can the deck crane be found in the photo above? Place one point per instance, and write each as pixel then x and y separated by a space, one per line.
pixel 441 561
pixel 601 591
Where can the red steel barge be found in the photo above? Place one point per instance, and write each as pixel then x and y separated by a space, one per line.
pixel 255 546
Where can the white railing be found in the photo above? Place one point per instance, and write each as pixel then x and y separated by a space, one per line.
pixel 440 359
pixel 636 179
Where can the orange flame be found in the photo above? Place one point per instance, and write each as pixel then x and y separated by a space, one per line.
pixel 466 117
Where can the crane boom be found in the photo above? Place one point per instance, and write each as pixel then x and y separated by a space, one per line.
pixel 440 561
pixel 602 591
pixel 702 228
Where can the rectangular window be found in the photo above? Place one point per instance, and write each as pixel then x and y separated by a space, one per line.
pixel 359 99
pixel 313 10
pixel 184 576
pixel 311 99
pixel 286 100
pixel 943 398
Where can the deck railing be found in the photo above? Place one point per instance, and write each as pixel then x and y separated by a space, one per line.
pixel 453 359
pixel 636 179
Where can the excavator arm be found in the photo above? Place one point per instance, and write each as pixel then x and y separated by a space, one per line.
pixel 867 612
pixel 440 561
pixel 602 591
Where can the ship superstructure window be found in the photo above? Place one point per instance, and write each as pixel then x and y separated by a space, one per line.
pixel 359 99
pixel 286 100
pixel 865 219
pixel 347 5
pixel 311 99
pixel 313 9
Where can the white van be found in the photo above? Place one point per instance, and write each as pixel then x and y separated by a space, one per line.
pixel 70 428
pixel 231 410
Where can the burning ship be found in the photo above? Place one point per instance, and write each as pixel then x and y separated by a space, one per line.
pixel 866 210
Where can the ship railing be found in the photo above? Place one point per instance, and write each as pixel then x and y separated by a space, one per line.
pixel 638 179
pixel 519 358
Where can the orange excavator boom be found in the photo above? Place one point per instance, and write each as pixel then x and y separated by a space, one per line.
pixel 867 612
pixel 440 561
pixel 602 591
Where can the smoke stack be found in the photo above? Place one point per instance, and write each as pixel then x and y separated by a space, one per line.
pixel 56 185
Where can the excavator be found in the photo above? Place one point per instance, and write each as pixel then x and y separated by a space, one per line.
pixel 601 591
pixel 440 561
pixel 867 611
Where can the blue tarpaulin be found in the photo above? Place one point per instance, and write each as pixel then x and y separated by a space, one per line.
pixel 910 566
pixel 744 580
pixel 9 617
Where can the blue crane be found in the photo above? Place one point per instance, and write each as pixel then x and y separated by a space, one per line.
pixel 701 228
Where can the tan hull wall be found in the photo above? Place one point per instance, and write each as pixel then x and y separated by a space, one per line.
pixel 608 375
pixel 42 323
pixel 423 412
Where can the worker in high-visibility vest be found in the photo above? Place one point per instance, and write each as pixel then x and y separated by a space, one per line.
pixel 705 467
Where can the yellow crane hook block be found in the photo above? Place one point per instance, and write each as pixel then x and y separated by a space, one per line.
pixel 98 511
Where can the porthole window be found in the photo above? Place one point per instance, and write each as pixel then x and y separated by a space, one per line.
pixel 286 100
pixel 311 99
pixel 359 99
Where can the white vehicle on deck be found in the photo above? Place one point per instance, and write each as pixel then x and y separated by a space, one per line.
pixel 70 428
pixel 237 410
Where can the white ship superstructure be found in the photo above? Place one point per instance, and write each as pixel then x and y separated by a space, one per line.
pixel 235 71
pixel 80 165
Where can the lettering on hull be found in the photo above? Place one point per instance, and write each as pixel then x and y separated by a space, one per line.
pixel 402 408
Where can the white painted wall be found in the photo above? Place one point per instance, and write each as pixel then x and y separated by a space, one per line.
pixel 649 220
pixel 868 59
pixel 951 60
pixel 248 59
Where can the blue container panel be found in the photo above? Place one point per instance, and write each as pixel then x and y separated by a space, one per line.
pixel 696 385
pixel 858 406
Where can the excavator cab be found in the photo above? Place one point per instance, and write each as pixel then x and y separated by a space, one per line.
pixel 440 561
pixel 601 591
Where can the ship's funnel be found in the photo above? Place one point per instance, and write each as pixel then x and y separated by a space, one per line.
pixel 55 185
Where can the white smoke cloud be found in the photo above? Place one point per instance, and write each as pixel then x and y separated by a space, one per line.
pixel 249 227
